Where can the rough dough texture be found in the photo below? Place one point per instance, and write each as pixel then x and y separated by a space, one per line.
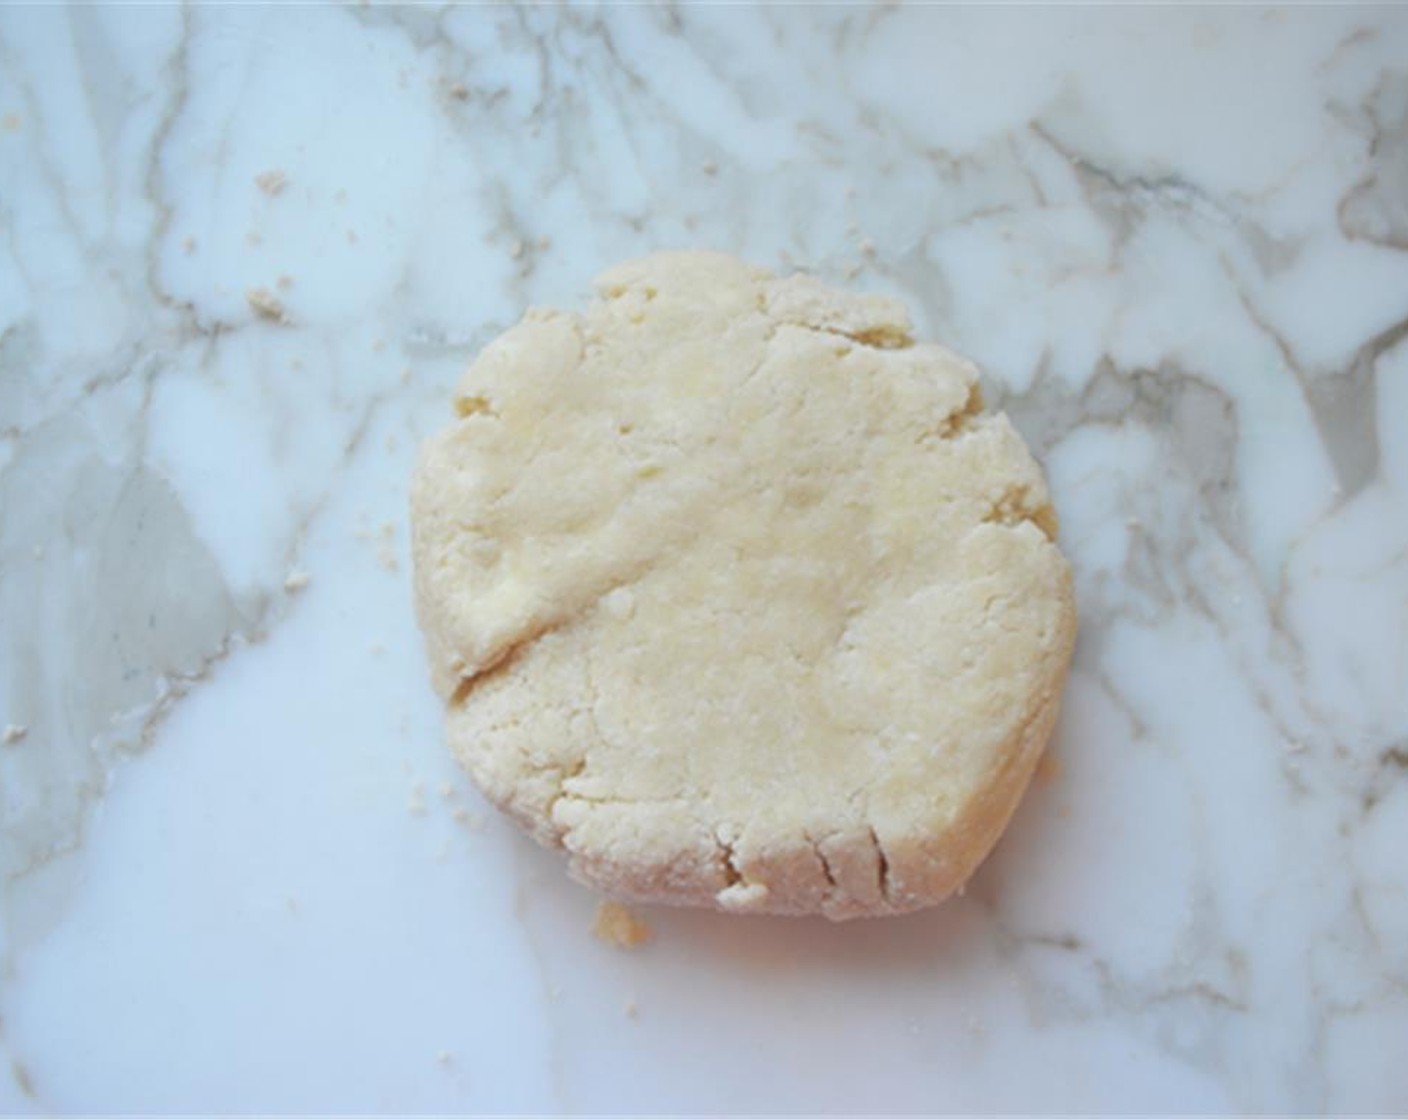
pixel 735 593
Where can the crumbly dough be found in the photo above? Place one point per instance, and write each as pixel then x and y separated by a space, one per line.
pixel 735 593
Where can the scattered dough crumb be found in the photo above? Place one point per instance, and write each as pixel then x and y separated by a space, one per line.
pixel 405 375
pixel 447 791
pixel 271 182
pixel 416 804
pixel 544 242
pixel 13 733
pixel 867 247
pixel 351 237
pixel 284 282
pixel 378 345
pixel 631 1009
pixel 254 237
pixel 615 925
pixel 472 822
pixel 11 122
pixel 296 364
pixel 340 197
pixel 1048 769
pixel 710 167
pixel 444 1057
pixel 189 244
pixel 266 305
pixel 515 249
pixel 296 580
pixel 386 548
pixel 459 91
pixel 377 649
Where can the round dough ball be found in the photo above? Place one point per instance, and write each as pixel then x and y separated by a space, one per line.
pixel 735 593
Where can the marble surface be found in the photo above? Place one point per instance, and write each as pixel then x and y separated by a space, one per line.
pixel 245 251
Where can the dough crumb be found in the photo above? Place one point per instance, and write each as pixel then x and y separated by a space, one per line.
pixel 271 182
pixel 709 167
pixel 376 649
pixel 544 243
pixel 615 925
pixel 444 1057
pixel 188 244
pixel 351 237
pixel 340 198
pixel 515 249
pixel 296 580
pixel 22 1078
pixel 284 282
pixel 13 733
pixel 472 822
pixel 266 305
pixel 447 791
pixel 416 805
pixel 867 247
pixel 1048 769
pixel 631 1009
pixel 405 375
pixel 254 237
pixel 386 547
pixel 11 122
pixel 459 91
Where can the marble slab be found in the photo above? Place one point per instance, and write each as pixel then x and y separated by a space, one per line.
pixel 244 251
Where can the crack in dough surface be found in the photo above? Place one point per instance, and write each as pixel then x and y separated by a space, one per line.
pixel 736 594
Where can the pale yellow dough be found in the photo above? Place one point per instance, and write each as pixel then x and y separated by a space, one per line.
pixel 735 593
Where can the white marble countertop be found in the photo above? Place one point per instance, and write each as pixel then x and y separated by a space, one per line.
pixel 240 871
